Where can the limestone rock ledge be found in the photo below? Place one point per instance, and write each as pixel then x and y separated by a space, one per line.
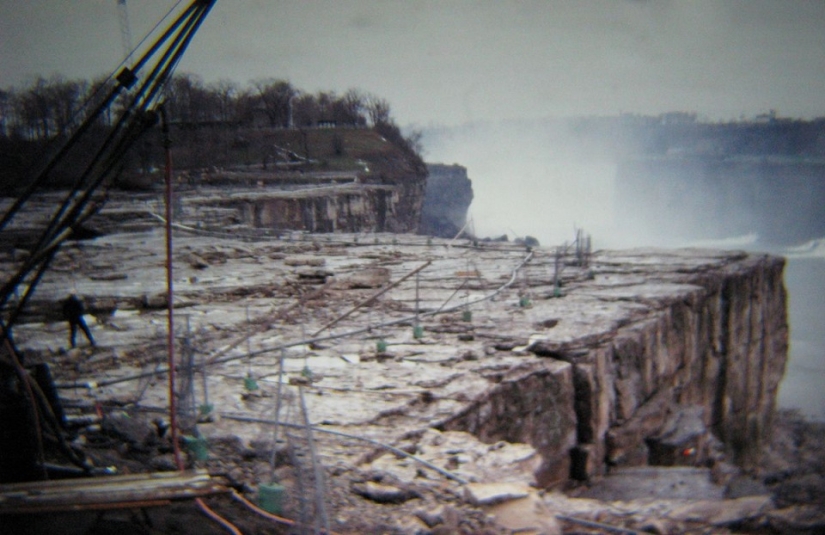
pixel 635 357
pixel 700 359
pixel 447 198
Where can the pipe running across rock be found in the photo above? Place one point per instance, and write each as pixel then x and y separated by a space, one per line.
pixel 279 347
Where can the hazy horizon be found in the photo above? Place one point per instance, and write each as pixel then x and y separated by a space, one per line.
pixel 451 63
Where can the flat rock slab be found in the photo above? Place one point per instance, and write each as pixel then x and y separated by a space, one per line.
pixel 526 515
pixel 723 512
pixel 492 493
pixel 661 483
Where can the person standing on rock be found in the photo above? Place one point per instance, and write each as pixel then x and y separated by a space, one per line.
pixel 73 311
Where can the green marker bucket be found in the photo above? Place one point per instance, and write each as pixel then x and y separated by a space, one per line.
pixel 250 384
pixel 197 447
pixel 467 315
pixel 206 409
pixel 418 332
pixel 271 498
pixel 524 302
pixel 381 346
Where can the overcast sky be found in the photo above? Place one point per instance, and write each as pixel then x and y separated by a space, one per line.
pixel 450 62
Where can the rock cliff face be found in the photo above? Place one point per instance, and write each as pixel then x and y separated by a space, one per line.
pixel 385 195
pixel 446 199
pixel 351 207
pixel 700 359
pixel 367 210
pixel 636 357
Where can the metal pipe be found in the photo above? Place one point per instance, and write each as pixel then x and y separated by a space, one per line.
pixel 598 525
pixel 252 507
pixel 170 301
pixel 320 505
pixel 406 319
pixel 393 449
pixel 226 524
pixel 278 398
pixel 373 297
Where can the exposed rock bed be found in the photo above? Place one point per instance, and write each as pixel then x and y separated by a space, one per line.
pixel 506 380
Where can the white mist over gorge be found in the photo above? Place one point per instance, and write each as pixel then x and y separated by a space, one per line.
pixel 635 181
pixel 529 178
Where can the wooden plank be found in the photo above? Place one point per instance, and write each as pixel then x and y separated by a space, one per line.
pixel 129 490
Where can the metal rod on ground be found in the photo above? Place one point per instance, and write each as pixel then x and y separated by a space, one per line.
pixel 170 302
pixel 467 295
pixel 143 386
pixel 188 394
pixel 598 525
pixel 578 247
pixel 263 351
pixel 277 414
pixel 248 345
pixel 459 232
pixel 306 369
pixel 206 406
pixel 299 479
pixel 527 284
pixel 393 449
pixel 557 265
pixel 263 327
pixel 466 301
pixel 372 298
pixel 301 300
pixel 297 457
pixel 193 366
pixel 416 298
pixel 316 467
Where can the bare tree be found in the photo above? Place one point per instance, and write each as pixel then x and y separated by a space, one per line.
pixel 188 101
pixel 66 97
pixel 353 108
pixel 226 92
pixel 48 107
pixel 378 110
pixel 275 98
pixel 305 111
pixel 6 110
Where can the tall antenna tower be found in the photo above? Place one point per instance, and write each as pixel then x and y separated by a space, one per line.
pixel 125 32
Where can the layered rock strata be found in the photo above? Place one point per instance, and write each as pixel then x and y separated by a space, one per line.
pixel 447 198
pixel 625 358
pixel 715 347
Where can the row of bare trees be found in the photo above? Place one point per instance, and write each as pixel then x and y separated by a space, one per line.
pixel 42 110
pixel 47 107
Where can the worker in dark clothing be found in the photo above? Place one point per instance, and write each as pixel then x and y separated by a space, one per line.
pixel 73 311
